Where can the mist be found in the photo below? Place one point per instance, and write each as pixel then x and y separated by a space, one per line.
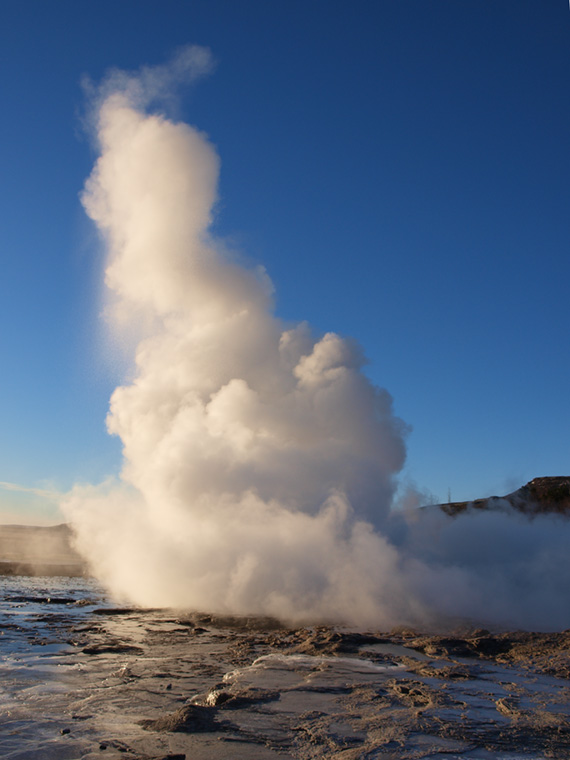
pixel 259 461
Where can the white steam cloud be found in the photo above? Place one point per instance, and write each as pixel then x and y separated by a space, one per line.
pixel 259 462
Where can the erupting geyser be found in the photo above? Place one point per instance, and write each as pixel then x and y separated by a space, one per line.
pixel 259 461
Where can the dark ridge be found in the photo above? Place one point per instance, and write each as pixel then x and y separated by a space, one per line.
pixel 43 570
pixel 540 496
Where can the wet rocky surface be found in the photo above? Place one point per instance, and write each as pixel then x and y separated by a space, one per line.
pixel 84 679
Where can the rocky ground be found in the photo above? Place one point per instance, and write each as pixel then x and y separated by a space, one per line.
pixel 80 678
pixel 147 685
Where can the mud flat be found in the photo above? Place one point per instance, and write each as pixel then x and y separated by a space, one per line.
pixel 82 678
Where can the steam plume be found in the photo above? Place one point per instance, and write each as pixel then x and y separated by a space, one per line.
pixel 259 461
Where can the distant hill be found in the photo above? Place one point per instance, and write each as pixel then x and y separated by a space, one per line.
pixel 32 550
pixel 539 496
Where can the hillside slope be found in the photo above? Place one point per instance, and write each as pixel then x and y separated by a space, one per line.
pixel 33 550
pixel 549 495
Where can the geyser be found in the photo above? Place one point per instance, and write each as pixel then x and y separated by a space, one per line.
pixel 259 462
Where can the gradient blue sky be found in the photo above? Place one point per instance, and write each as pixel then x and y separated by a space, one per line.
pixel 401 167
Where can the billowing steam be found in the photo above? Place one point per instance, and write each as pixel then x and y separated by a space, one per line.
pixel 259 461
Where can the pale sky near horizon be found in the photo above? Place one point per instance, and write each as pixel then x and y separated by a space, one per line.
pixel 400 167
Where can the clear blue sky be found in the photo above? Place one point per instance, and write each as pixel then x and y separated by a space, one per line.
pixel 401 167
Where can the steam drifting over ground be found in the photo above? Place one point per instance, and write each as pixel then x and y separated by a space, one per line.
pixel 259 462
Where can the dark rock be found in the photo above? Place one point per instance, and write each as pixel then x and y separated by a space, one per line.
pixel 189 719
pixel 119 746
pixel 234 622
pixel 115 611
pixel 237 699
pixel 43 599
pixel 489 646
pixel 325 641
pixel 117 648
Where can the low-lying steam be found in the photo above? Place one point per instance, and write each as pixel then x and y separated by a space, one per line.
pixel 259 462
